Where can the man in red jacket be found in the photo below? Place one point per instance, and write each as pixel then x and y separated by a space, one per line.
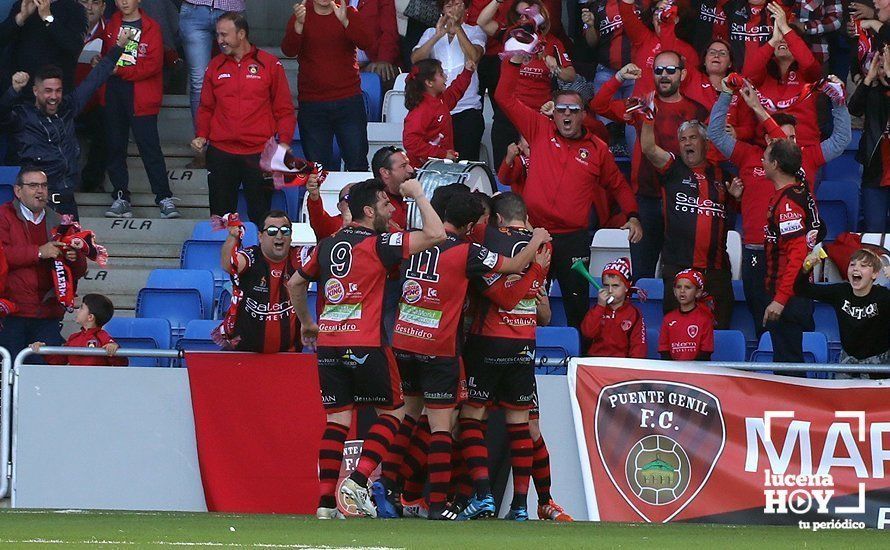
pixel 26 226
pixel 570 164
pixel 245 100
pixel 324 36
pixel 132 99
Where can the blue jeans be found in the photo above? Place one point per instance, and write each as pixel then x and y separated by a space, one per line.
pixel 644 254
pixel 875 201
pixel 320 121
pixel 603 74
pixel 17 333
pixel 197 26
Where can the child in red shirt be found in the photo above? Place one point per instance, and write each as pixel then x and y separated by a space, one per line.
pixel 428 132
pixel 687 333
pixel 614 324
pixel 95 311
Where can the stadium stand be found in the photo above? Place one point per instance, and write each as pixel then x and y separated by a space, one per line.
pixel 815 348
pixel 555 345
pixel 197 336
pixel 372 92
pixel 141 333
pixel 729 345
pixel 838 202
pixel 176 305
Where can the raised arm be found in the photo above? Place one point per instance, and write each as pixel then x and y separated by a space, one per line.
pixel 486 17
pixel 424 49
pixel 519 262
pixel 433 230
pixel 603 103
pixel 841 132
pixel 225 253
pixel 717 134
pixel 656 155
pixel 526 120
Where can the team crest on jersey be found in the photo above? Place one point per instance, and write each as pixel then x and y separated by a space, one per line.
pixel 812 236
pixel 253 69
pixel 93 343
pixel 692 330
pixel 626 324
pixel 412 291
pixel 334 291
pixel 583 153
pixel 649 428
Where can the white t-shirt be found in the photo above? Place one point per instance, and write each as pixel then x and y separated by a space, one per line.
pixel 453 59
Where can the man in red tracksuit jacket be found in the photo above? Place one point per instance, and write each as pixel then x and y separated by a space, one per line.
pixel 569 165
pixel 245 100
pixel 26 225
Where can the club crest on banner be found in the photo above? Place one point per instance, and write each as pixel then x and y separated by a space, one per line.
pixel 659 442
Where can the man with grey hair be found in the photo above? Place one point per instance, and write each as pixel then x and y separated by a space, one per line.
pixel 696 197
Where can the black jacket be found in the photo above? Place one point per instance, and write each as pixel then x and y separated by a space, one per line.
pixel 872 102
pixel 49 141
pixel 36 44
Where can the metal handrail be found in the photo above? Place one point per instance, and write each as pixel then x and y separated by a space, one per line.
pixel 5 420
pixel 96 352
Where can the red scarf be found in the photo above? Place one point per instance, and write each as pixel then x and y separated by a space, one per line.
pixel 224 335
pixel 83 241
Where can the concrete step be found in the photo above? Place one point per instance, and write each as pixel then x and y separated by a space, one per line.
pixel 149 212
pixel 139 231
pixel 183 181
pixel 186 201
pixel 178 148
pixel 115 282
pixel 144 262
pixel 134 163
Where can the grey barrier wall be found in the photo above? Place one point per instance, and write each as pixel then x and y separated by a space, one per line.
pixel 5 421
pixel 104 438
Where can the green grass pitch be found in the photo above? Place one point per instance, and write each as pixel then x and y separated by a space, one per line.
pixel 46 529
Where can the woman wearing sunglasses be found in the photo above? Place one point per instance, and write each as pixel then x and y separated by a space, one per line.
pixel 535 85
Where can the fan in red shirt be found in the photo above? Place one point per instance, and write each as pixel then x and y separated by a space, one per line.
pixel 569 165
pixel 793 229
pixel 702 83
pixel 687 332
pixel 94 313
pixel 325 37
pixel 323 224
pixel 426 337
pixel 354 363
pixel 428 132
pixel 696 201
pixel 615 326
pixel 535 85
pixel 781 69
pixel 671 109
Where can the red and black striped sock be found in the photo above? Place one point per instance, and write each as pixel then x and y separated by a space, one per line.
pixel 521 452
pixel 541 471
pixel 439 467
pixel 413 469
pixel 389 470
pixel 472 440
pixel 461 482
pixel 374 447
pixel 330 456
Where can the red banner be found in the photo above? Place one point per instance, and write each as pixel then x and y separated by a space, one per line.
pixel 682 441
pixel 258 422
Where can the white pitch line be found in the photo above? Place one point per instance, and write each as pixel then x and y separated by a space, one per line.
pixel 205 543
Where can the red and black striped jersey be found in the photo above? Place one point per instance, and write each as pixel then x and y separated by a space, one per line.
pixel 351 268
pixel 793 228
pixel 434 290
pixel 694 215
pixel 266 321
pixel 751 26
pixel 493 317
pixel 614 47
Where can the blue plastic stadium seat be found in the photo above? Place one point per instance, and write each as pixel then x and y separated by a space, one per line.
pixel 738 290
pixel 198 279
pixel 204 255
pixel 831 195
pixel 826 323
pixel 729 345
pixel 203 232
pixel 8 174
pixel 372 91
pixel 554 345
pixel 223 302
pixel 652 308
pixel 6 193
pixel 557 308
pixel 815 350
pixel 197 336
pixel 176 305
pixel 652 335
pixel 141 333
pixel 844 168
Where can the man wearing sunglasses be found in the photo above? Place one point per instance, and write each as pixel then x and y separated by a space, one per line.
pixel 670 110
pixel 570 166
pixel 264 321
pixel 356 366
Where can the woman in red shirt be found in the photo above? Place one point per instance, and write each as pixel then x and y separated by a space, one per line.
pixel 781 69
pixel 535 86
pixel 428 132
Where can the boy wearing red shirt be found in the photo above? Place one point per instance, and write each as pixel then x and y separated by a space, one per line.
pixel 95 311
pixel 614 324
pixel 687 333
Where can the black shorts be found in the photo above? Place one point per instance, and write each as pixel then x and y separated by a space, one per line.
pixel 439 380
pixel 500 370
pixel 358 376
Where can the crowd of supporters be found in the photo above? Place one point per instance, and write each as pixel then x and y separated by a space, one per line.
pixel 674 120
